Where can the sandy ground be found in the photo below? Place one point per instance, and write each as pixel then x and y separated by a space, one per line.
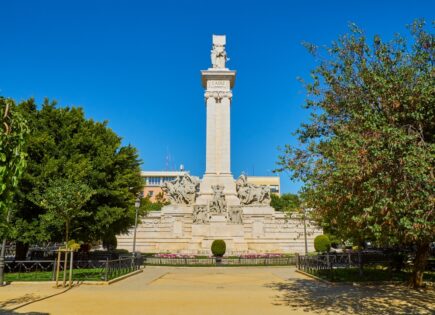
pixel 236 290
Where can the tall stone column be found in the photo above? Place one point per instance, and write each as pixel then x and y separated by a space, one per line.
pixel 218 82
pixel 218 142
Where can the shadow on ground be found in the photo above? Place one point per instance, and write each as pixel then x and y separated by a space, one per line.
pixel 318 297
pixel 28 313
pixel 20 300
pixel 17 301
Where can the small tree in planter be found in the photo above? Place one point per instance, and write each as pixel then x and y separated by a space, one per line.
pixel 218 248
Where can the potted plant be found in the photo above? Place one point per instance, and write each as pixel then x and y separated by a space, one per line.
pixel 218 248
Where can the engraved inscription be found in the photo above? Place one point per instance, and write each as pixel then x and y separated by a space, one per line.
pixel 218 84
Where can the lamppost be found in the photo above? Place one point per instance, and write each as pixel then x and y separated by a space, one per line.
pixel 305 230
pixel 136 206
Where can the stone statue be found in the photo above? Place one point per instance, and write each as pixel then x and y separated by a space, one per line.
pixel 252 194
pixel 200 214
pixel 218 53
pixel 235 215
pixel 181 190
pixel 218 205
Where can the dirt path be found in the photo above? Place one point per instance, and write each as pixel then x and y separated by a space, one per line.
pixel 263 290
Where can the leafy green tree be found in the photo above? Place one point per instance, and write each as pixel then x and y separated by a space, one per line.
pixel 64 144
pixel 286 202
pixel 147 205
pixel 13 131
pixel 64 200
pixel 367 154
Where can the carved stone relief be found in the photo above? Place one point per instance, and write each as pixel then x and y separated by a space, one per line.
pixel 235 215
pixel 218 95
pixel 182 190
pixel 200 214
pixel 250 194
pixel 217 205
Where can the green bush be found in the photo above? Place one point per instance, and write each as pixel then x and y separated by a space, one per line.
pixel 322 243
pixel 218 248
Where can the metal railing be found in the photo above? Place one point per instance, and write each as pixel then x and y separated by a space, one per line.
pixel 211 261
pixel 93 270
pixel 342 260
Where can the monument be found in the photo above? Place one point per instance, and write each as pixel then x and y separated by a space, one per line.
pixel 218 206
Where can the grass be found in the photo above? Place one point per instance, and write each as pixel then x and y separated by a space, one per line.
pixel 91 274
pixel 369 275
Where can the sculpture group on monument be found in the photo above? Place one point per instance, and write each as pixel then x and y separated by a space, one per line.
pixel 218 206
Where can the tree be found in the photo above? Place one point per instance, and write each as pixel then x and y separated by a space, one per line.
pixel 13 131
pixel 64 144
pixel 146 205
pixel 64 200
pixel 367 154
pixel 286 202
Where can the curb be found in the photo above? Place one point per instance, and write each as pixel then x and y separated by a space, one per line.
pixel 316 278
pixel 85 282
pixel 40 299
pixel 68 288
pixel 125 276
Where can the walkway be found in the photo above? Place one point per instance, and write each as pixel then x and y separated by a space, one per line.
pixel 231 290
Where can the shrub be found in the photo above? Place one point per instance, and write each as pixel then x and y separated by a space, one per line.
pixel 218 248
pixel 322 243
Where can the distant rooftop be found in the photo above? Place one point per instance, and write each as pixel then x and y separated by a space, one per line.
pixel 163 173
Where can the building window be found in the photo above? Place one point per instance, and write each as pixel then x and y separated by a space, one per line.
pixel 274 189
pixel 150 193
pixel 168 179
pixel 154 181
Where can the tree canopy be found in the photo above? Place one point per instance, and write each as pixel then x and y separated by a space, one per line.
pixel 286 202
pixel 63 144
pixel 13 131
pixel 366 156
pixel 64 200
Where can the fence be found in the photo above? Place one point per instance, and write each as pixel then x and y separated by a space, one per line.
pixel 9 251
pixel 226 261
pixel 329 262
pixel 92 270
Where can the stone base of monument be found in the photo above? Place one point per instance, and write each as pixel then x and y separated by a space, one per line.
pixel 262 230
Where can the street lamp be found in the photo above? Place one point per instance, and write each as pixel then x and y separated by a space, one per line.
pixel 136 206
pixel 305 230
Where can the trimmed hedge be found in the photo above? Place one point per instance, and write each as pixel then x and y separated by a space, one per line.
pixel 218 248
pixel 322 243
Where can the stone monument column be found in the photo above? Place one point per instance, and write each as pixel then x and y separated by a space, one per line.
pixel 218 82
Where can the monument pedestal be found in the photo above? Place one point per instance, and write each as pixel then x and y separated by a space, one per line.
pixel 225 180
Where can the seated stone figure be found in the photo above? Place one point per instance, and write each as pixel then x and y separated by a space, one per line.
pixel 181 190
pixel 250 194
pixel 218 204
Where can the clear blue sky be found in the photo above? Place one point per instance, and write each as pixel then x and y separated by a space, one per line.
pixel 137 64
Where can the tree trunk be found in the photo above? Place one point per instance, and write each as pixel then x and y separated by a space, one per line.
pixel 21 250
pixel 420 261
pixel 66 232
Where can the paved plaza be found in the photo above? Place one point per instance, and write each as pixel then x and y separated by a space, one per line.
pixel 230 290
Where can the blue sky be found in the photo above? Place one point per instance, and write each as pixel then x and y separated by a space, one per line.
pixel 137 64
